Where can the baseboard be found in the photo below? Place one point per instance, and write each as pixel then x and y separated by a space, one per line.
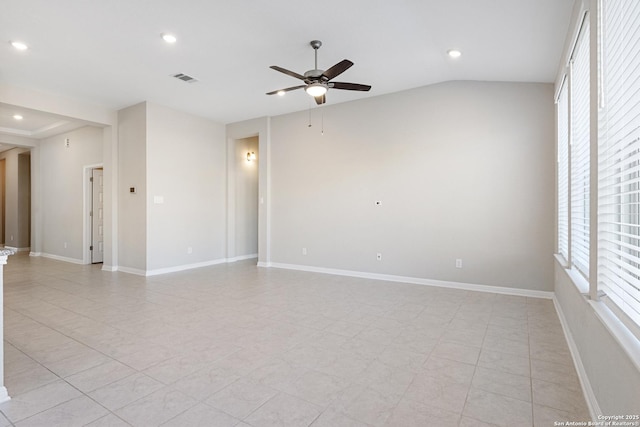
pixel 185 267
pixel 13 248
pixel 242 258
pixel 414 280
pixel 587 390
pixel 140 272
pixel 129 270
pixel 60 258
pixel 4 395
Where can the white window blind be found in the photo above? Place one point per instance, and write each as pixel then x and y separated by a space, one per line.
pixel 619 158
pixel 562 109
pixel 580 146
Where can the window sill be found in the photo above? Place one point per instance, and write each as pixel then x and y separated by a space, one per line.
pixel 620 332
pixel 578 279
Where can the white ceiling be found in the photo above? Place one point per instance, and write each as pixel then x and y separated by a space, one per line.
pixel 34 124
pixel 110 52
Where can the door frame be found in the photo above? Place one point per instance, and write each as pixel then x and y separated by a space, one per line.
pixel 86 210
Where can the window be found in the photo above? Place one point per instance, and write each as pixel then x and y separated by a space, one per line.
pixel 619 159
pixel 563 171
pixel 579 150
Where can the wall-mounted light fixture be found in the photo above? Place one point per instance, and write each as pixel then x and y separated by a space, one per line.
pixel 251 156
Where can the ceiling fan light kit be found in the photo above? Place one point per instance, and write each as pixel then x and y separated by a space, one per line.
pixel 316 89
pixel 317 81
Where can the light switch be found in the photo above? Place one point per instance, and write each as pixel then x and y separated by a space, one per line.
pixel 158 200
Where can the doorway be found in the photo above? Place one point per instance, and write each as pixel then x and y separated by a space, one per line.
pixel 15 199
pixel 243 193
pixel 94 208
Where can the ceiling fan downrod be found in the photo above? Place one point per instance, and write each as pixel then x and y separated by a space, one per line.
pixel 315 44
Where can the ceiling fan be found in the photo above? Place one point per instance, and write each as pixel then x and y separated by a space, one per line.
pixel 318 82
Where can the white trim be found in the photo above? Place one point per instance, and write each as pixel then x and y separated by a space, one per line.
pixel 242 257
pixel 580 282
pixel 583 18
pixel 61 258
pixel 27 249
pixel 564 80
pixel 139 272
pixel 4 394
pixel 135 271
pixel 185 267
pixel 415 280
pixel 266 166
pixel 587 390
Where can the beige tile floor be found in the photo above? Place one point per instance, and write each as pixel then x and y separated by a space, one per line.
pixel 237 345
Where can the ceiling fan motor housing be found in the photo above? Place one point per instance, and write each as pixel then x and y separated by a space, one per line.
pixel 314 74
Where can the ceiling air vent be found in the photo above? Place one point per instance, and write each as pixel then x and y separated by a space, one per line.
pixel 185 78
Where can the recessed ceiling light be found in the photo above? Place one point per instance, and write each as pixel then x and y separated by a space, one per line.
pixel 19 45
pixel 169 38
pixel 454 53
pixel 17 117
pixel 281 92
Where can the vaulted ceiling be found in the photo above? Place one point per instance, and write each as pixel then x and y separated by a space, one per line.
pixel 111 53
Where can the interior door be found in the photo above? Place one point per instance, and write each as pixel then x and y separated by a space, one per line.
pixel 97 233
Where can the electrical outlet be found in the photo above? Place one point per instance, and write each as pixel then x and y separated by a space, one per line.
pixel 459 263
pixel 189 250
pixel 304 251
pixel 65 245
pixel 379 256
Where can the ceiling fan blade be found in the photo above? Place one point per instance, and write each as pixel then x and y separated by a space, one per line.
pixel 321 99
pixel 286 90
pixel 349 86
pixel 337 69
pixel 287 72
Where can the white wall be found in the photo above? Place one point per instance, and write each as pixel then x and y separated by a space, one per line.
pixel 186 166
pixel 62 189
pixel 463 170
pixel 132 208
pixel 246 197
